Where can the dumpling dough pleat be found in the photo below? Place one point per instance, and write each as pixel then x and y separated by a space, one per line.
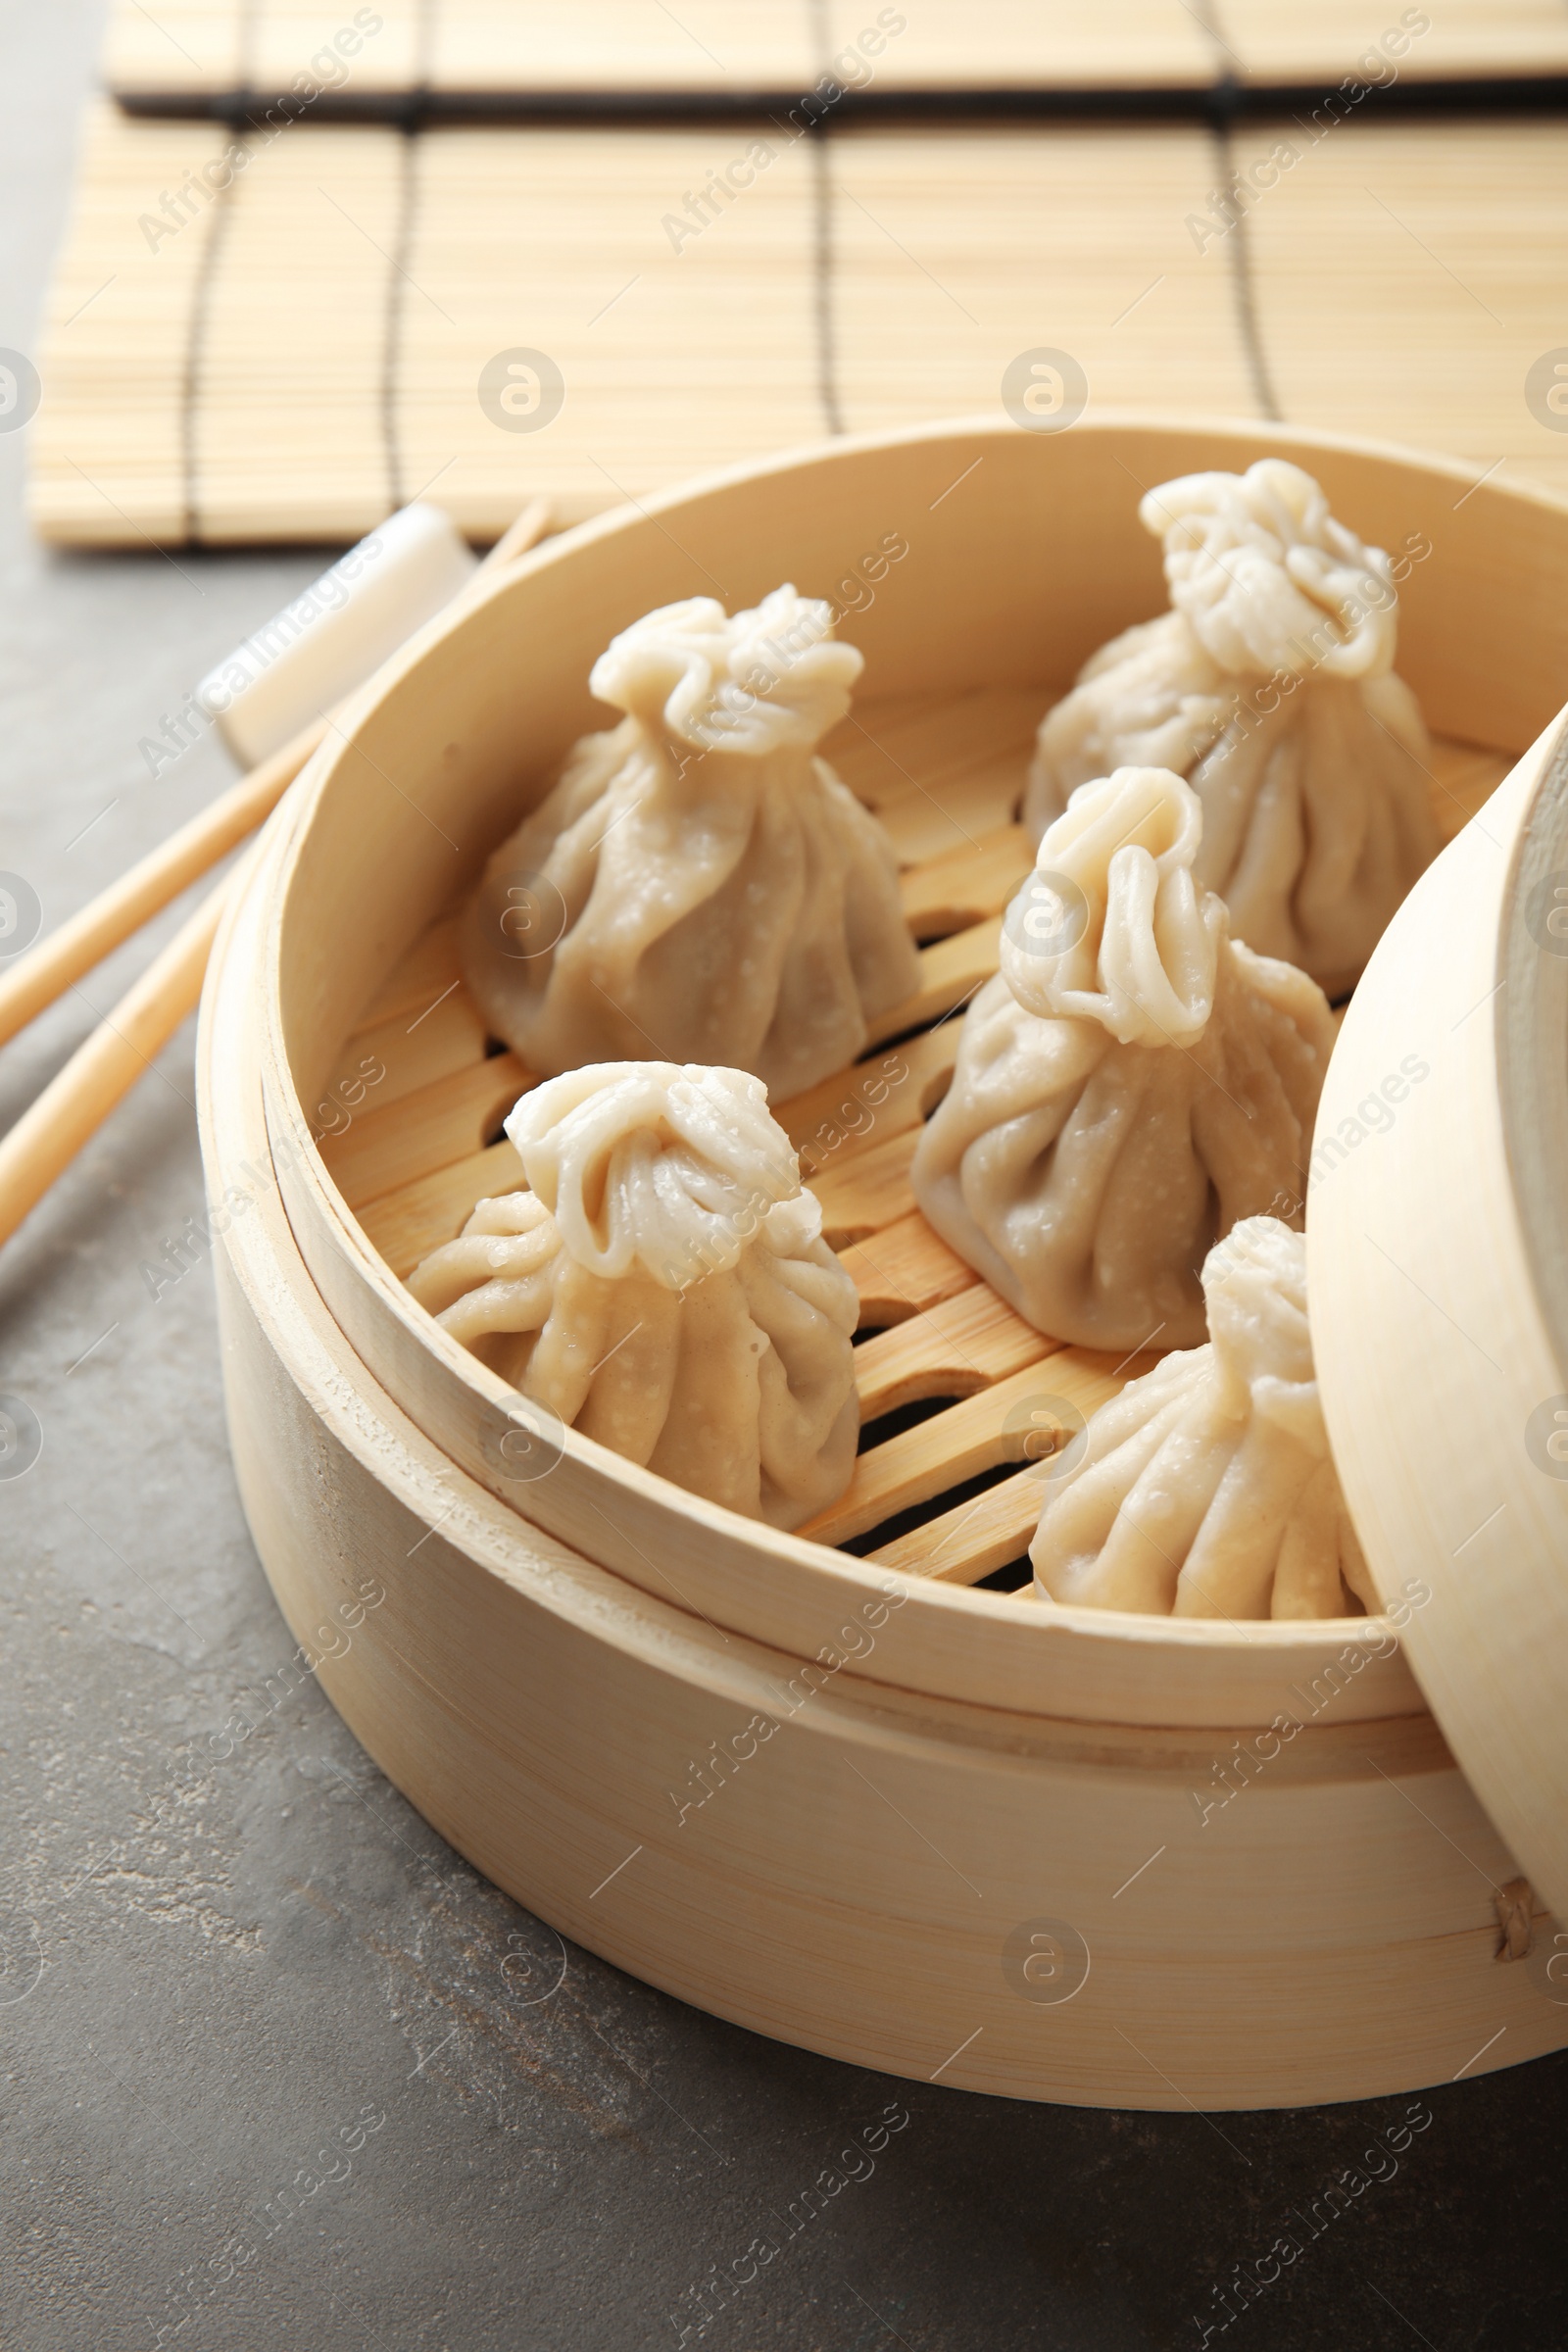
pixel 699 884
pixel 664 1288
pixel 1119 1104
pixel 1207 1489
pixel 1269 687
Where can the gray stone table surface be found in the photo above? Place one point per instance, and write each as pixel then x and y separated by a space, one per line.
pixel 213 1967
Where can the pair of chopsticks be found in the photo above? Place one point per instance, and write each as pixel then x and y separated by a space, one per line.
pixel 49 1134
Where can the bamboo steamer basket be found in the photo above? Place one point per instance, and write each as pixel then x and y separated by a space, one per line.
pixel 909 1821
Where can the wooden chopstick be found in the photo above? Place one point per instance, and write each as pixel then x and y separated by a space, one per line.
pixel 80 1098
pixel 529 527
pixel 106 1067
pixel 87 937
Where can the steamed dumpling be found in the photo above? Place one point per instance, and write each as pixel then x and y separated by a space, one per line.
pixel 663 1287
pixel 699 884
pixel 1129 1085
pixel 1207 1489
pixel 1270 687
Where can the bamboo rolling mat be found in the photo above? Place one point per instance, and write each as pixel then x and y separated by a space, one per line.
pixel 453 53
pixel 292 358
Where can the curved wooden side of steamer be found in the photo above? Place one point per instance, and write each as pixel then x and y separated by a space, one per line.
pixel 1016 551
pixel 1439 1287
pixel 1000 1902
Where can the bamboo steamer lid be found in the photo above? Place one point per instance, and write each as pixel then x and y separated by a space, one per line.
pixel 1437 1273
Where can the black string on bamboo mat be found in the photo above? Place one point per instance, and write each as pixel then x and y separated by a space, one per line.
pixel 1223 99
pixel 398 278
pixel 809 116
pixel 1230 70
pixel 1244 282
pixel 197 324
pixel 1226 102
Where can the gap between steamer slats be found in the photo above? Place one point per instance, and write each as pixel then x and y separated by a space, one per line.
pixel 414 1166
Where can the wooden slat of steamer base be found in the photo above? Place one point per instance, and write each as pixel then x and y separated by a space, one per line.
pixel 903 1271
pixel 871 1190
pixel 950 973
pixel 888 1094
pixel 975 1436
pixel 950 819
pixel 966 1344
pixel 956 892
pixel 429 1128
pixel 406 1224
pixel 443 1038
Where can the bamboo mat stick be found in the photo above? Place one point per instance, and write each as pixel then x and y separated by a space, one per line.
pixel 624 49
pixel 74 1103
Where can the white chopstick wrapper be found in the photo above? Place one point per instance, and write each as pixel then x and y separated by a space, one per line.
pixel 337 632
